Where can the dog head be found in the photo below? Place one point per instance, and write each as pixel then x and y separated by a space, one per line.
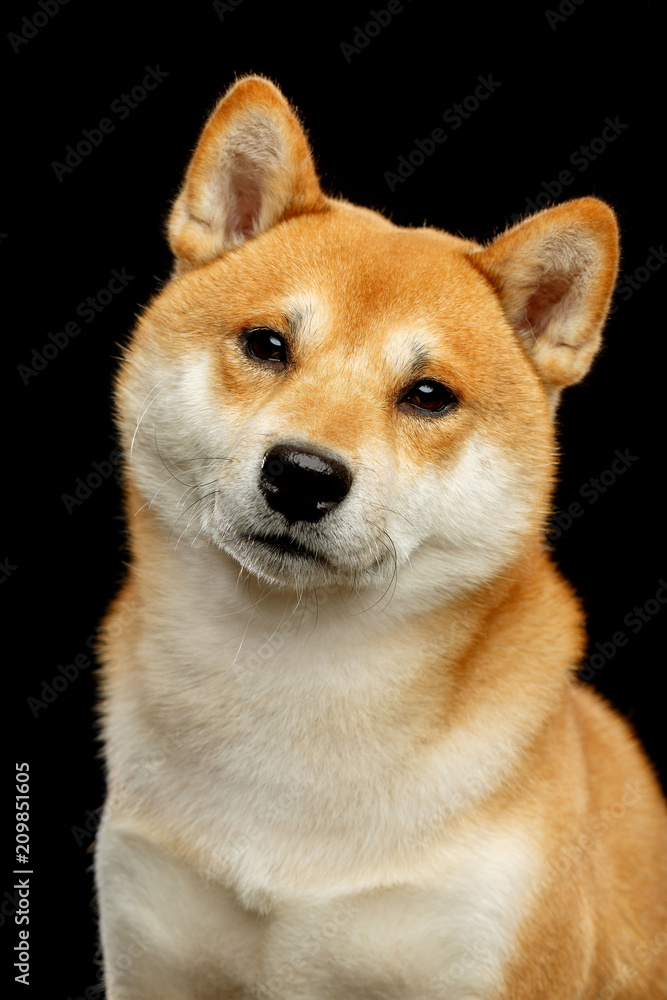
pixel 326 397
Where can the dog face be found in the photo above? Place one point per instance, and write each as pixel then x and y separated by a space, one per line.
pixel 329 398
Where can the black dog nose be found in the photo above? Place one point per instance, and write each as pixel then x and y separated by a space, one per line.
pixel 303 484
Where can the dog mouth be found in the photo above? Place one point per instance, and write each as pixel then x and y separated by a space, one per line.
pixel 282 545
pixel 284 560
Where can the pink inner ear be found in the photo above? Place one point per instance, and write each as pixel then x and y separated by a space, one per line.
pixel 547 299
pixel 245 197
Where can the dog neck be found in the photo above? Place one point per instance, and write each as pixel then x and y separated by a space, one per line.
pixel 329 700
pixel 375 650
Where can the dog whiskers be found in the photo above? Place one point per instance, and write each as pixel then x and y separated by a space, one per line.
pixel 245 632
pixel 141 416
pixel 197 513
pixel 393 581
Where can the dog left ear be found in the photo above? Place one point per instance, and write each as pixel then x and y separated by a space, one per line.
pixel 252 168
pixel 555 274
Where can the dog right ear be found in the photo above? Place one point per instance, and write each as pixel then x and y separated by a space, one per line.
pixel 252 168
pixel 554 274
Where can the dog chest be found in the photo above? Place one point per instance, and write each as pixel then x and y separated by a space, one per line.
pixel 449 933
pixel 425 942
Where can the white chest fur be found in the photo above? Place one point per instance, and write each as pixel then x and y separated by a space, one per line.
pixel 322 852
pixel 447 937
pixel 291 757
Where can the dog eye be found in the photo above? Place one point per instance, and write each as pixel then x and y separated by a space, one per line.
pixel 266 345
pixel 430 396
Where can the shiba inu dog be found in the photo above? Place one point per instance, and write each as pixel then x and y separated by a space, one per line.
pixel 348 754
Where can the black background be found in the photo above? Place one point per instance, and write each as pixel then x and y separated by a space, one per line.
pixel 61 240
